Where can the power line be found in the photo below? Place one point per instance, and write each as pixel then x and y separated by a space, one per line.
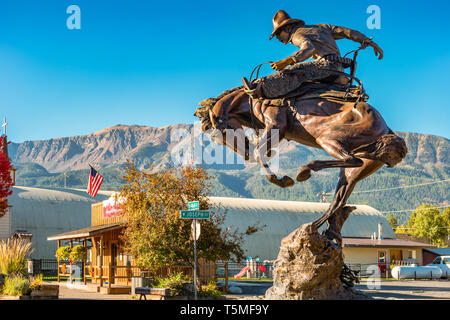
pixel 403 187
pixel 414 209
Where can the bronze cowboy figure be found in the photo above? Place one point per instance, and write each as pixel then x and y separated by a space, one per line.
pixel 314 41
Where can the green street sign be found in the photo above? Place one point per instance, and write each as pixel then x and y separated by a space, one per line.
pixel 197 214
pixel 193 205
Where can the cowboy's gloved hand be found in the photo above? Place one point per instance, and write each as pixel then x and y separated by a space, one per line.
pixel 280 65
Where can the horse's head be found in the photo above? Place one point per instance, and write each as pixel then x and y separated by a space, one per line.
pixel 218 115
pixel 214 112
pixel 204 114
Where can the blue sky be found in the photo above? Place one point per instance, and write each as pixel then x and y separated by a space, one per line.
pixel 150 63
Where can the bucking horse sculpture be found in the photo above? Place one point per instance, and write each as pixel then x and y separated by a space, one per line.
pixel 329 114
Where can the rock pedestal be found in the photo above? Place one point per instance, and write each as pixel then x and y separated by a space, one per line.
pixel 308 267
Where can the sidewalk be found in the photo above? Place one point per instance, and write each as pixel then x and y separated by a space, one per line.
pixel 82 293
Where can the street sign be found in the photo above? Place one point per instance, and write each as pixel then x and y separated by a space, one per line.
pixel 197 214
pixel 195 227
pixel 194 213
pixel 193 205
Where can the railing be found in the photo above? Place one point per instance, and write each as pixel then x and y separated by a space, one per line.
pixel 47 267
pixel 110 273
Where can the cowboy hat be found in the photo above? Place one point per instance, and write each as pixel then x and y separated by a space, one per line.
pixel 281 19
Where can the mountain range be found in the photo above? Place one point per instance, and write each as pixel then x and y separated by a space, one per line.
pixel 44 163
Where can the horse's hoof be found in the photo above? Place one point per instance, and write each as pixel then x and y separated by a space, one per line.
pixel 303 173
pixel 287 182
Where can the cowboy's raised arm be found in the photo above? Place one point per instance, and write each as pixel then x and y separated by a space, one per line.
pixel 339 32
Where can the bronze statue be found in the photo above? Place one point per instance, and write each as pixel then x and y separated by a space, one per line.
pixel 314 41
pixel 341 123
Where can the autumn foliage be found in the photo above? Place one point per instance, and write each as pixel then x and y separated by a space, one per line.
pixel 156 236
pixel 5 182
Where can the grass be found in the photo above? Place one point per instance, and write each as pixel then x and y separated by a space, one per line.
pixel 16 286
pixel 13 255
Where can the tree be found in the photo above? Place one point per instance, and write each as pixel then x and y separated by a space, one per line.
pixel 392 221
pixel 156 236
pixel 402 229
pixel 428 222
pixel 446 217
pixel 5 182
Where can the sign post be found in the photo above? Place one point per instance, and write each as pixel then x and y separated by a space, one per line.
pixel 195 214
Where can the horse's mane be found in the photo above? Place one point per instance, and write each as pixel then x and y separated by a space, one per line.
pixel 203 113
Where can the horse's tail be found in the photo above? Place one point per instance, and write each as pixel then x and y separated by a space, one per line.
pixel 389 148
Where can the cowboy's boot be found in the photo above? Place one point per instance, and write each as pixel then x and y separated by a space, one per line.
pixel 253 90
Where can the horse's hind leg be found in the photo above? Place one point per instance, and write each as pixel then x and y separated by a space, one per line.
pixel 335 149
pixel 338 212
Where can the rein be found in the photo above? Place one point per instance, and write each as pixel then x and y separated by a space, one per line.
pixel 257 72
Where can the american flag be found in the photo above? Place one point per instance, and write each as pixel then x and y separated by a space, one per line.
pixel 95 181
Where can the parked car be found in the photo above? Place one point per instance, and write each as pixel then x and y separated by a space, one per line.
pixel 443 262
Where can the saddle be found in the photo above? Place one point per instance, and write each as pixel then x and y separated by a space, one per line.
pixel 330 91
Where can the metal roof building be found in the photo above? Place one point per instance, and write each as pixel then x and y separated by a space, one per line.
pixel 43 212
pixel 46 212
pixel 283 217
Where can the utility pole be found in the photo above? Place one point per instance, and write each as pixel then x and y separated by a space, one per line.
pixel 323 195
pixel 4 126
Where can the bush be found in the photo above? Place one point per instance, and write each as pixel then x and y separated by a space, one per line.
pixel 36 282
pixel 13 255
pixel 177 283
pixel 16 286
pixel 210 290
pixel 63 253
pixel 78 254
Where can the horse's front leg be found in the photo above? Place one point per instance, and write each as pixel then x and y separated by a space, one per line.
pixel 235 139
pixel 269 139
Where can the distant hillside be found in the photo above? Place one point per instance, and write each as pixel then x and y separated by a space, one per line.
pixel 41 163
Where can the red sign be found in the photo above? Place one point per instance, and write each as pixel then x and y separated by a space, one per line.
pixel 111 208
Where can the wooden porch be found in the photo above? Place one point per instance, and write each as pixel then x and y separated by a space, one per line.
pixel 107 266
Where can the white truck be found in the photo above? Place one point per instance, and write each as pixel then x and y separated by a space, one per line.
pixel 443 262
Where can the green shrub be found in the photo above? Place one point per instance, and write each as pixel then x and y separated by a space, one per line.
pixel 78 254
pixel 13 255
pixel 16 286
pixel 36 282
pixel 176 283
pixel 210 290
pixel 63 253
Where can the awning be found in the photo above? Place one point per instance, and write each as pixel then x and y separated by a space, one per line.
pixel 86 232
pixel 385 243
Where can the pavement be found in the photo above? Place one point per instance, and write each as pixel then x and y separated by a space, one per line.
pixel 81 292
pixel 387 290
pixel 407 289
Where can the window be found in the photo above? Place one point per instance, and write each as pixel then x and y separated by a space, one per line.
pixel 447 260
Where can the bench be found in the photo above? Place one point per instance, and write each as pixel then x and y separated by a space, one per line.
pixel 162 293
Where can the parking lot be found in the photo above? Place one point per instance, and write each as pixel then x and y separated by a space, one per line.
pixel 387 290
pixel 407 289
